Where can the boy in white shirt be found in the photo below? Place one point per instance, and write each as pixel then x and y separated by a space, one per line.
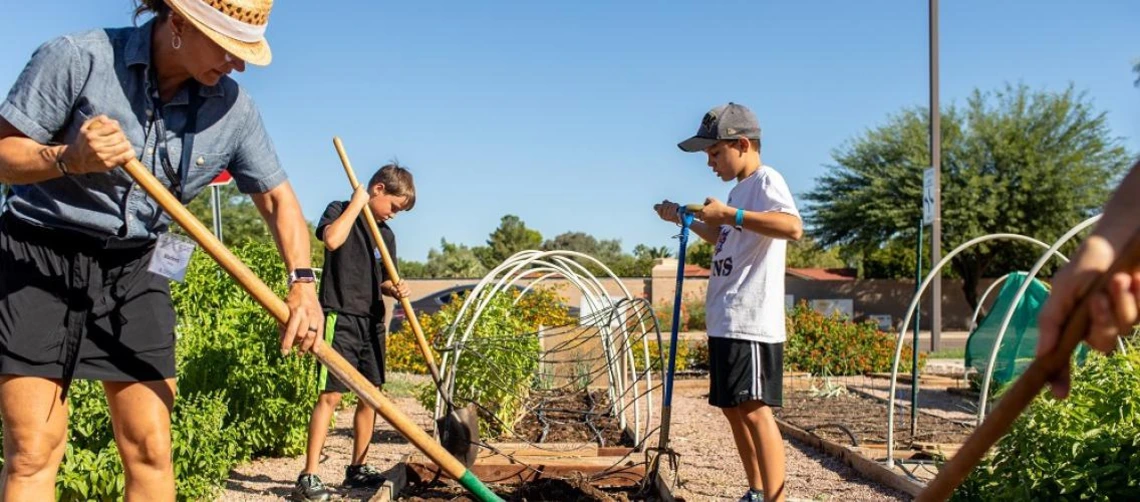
pixel 745 296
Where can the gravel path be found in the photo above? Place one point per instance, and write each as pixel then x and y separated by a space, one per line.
pixel 273 479
pixel 711 470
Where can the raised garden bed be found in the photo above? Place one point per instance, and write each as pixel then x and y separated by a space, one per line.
pixel 564 417
pixel 866 420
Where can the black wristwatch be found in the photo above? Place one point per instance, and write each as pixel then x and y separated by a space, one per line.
pixel 302 275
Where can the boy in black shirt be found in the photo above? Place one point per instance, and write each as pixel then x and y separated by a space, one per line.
pixel 352 284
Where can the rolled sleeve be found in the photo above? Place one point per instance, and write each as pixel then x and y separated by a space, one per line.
pixel 41 101
pixel 255 166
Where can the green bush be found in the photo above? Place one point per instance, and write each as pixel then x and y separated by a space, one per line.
pixel 823 345
pixel 689 355
pixel 230 345
pixel 1086 447
pixel 204 450
pixel 498 364
pixel 91 469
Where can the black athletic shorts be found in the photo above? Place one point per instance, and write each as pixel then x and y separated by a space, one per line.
pixel 360 340
pixel 70 308
pixel 742 371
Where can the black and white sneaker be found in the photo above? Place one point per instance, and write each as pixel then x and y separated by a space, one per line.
pixel 752 496
pixel 362 476
pixel 309 488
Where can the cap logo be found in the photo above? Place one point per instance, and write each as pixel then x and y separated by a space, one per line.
pixel 709 120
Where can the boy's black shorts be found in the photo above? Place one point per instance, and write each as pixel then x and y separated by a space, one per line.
pixel 743 370
pixel 361 341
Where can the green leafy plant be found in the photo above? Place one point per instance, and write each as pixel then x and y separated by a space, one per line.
pixel 498 364
pixel 1086 447
pixel 230 345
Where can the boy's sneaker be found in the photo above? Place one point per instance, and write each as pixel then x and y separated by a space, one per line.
pixel 309 488
pixel 362 476
pixel 752 496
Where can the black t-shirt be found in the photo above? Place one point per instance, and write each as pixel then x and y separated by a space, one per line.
pixel 351 278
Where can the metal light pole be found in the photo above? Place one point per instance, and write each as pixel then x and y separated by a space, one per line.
pixel 222 179
pixel 216 203
pixel 936 163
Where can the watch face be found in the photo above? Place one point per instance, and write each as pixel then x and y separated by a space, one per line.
pixel 303 274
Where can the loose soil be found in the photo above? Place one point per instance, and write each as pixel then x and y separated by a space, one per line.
pixel 564 417
pixel 866 419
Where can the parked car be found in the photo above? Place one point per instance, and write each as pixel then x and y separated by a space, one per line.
pixel 434 302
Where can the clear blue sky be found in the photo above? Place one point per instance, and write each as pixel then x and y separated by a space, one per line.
pixel 567 113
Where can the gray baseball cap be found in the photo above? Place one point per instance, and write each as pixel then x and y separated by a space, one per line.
pixel 731 121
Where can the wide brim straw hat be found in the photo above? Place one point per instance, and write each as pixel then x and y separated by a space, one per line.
pixel 238 26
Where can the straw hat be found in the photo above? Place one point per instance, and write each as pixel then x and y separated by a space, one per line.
pixel 238 26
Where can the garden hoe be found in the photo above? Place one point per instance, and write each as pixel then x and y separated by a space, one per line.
pixel 1013 403
pixel 328 357
pixel 686 213
pixel 458 429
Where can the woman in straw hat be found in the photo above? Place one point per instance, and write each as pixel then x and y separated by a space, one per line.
pixel 78 298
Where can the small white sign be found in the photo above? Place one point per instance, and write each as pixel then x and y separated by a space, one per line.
pixel 884 322
pixel 928 196
pixel 844 307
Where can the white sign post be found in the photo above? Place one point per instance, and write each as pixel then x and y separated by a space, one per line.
pixel 928 196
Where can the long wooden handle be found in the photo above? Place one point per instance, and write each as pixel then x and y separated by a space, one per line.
pixel 335 363
pixel 1014 401
pixel 390 266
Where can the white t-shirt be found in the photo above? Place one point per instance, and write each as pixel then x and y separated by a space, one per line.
pixel 745 297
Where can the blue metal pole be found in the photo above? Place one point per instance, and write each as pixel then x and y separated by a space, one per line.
pixel 667 403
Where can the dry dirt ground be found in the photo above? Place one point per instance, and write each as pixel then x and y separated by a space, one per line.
pixel 709 466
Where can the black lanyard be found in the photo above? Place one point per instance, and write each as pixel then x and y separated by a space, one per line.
pixel 176 177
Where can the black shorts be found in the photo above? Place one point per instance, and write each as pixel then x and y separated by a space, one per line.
pixel 360 340
pixel 743 370
pixel 69 308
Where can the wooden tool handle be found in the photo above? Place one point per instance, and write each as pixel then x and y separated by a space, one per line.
pixel 1018 397
pixel 390 266
pixel 335 363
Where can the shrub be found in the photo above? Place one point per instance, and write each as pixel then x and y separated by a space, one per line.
pixel 498 362
pixel 684 361
pixel 539 307
pixel 230 345
pixel 204 451
pixel 1086 447
pixel 696 309
pixel 693 314
pixel 823 345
